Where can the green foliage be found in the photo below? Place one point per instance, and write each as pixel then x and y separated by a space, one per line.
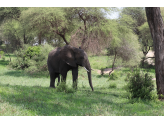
pixel 9 13
pixel 15 33
pixel 133 17
pixel 145 37
pixel 48 21
pixel 125 45
pixel 32 59
pixel 114 75
pixel 3 58
pixel 64 88
pixel 127 76
pixel 140 85
pixel 57 25
pixel 1 53
pixel 66 24
pixel 113 85
pixel 32 51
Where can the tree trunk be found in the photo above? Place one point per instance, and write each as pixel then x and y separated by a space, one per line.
pixel 155 22
pixel 24 37
pixel 115 55
pixel 63 36
pixel 8 54
pixel 40 38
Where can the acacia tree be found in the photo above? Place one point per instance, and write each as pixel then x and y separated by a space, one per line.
pixel 80 27
pixel 44 22
pixel 156 26
pixel 92 31
pixel 124 46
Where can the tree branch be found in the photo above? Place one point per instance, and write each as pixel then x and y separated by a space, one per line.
pixel 60 33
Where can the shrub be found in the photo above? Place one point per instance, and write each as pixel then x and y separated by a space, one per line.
pixel 64 88
pixel 113 85
pixel 140 85
pixel 127 76
pixel 1 52
pixel 32 51
pixel 114 75
pixel 102 71
pixel 32 59
pixel 2 56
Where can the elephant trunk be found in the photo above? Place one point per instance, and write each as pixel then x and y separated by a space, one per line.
pixel 90 79
pixel 88 68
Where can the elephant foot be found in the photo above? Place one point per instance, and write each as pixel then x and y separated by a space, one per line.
pixel 52 86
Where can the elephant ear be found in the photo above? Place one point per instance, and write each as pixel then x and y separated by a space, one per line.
pixel 69 58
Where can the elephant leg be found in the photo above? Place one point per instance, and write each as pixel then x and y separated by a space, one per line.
pixel 75 77
pixel 52 79
pixel 63 76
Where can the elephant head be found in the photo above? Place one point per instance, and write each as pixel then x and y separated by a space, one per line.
pixel 76 56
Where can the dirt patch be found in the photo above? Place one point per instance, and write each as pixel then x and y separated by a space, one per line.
pixel 106 70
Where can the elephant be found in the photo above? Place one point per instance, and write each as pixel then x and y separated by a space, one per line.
pixel 58 79
pixel 61 60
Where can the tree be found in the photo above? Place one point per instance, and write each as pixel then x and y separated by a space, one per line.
pixel 92 31
pixel 146 39
pixel 135 19
pixel 44 22
pixel 9 13
pixel 138 16
pixel 80 27
pixel 124 46
pixel 12 28
pixel 156 26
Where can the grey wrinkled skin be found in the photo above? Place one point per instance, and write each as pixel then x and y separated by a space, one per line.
pixel 61 60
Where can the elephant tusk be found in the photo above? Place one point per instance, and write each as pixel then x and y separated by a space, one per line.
pixel 92 69
pixel 86 69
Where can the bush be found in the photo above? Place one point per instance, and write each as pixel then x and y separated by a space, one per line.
pixel 2 56
pixel 32 51
pixel 114 75
pixel 32 59
pixel 140 85
pixel 113 85
pixel 1 53
pixel 127 76
pixel 64 88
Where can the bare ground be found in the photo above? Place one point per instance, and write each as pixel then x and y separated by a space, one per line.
pixel 106 70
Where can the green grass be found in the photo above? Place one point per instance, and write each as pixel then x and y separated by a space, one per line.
pixel 22 94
